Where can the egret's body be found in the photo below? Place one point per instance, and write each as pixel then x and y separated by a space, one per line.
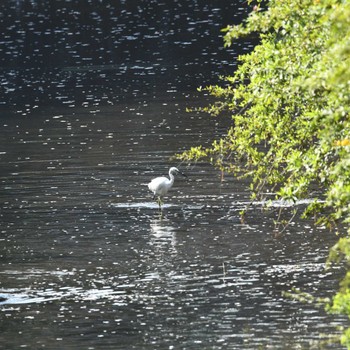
pixel 161 185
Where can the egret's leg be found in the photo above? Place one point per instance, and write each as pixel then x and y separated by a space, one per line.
pixel 160 203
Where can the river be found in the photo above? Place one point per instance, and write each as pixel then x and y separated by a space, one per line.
pixel 87 261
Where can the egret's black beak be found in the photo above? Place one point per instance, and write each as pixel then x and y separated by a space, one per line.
pixel 184 175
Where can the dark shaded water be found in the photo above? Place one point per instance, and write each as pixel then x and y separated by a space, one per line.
pixel 86 261
pixel 87 53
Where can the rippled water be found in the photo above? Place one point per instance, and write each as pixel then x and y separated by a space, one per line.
pixel 87 262
pixel 93 107
pixel 86 53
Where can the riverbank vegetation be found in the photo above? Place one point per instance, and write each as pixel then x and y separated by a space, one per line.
pixel 289 104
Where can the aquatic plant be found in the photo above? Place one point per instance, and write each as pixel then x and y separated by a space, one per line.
pixel 289 104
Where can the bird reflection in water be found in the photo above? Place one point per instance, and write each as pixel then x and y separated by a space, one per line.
pixel 163 235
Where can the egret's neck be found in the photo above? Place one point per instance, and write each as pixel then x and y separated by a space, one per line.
pixel 172 178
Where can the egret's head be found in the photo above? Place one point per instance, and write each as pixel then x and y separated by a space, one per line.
pixel 176 171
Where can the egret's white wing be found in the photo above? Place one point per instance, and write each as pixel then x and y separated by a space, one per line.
pixel 159 185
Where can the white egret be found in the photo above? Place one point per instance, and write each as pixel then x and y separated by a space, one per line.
pixel 161 185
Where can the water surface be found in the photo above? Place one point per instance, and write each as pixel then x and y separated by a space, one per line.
pixel 87 261
pixel 93 101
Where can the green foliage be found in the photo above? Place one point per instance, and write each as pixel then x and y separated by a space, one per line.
pixel 289 104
